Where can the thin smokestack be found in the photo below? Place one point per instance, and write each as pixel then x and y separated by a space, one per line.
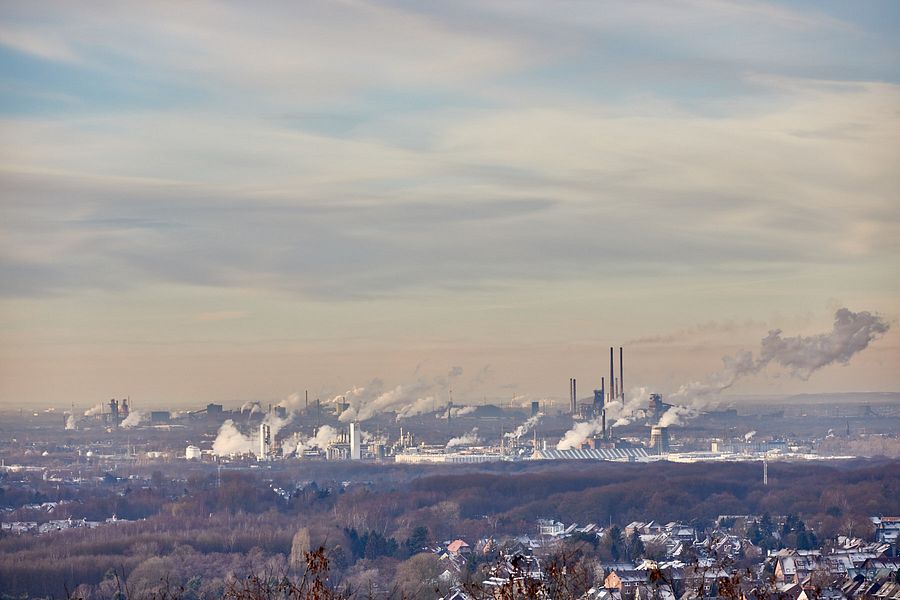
pixel 621 377
pixel 612 375
pixel 602 406
pixel 574 397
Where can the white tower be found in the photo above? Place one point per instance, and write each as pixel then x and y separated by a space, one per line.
pixel 265 440
pixel 354 442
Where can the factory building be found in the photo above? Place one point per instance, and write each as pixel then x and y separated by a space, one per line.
pixel 414 457
pixel 747 447
pixel 611 454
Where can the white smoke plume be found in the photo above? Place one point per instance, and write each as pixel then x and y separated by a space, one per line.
pixel 677 415
pixel 230 441
pixel 325 436
pixel 357 397
pixel 371 438
pixel 524 427
pixel 420 406
pixel 70 423
pixel 459 411
pixel 97 409
pixel 576 436
pixel 406 400
pixel 293 402
pixel 800 355
pixel 251 407
pixel 468 439
pixel 749 435
pixel 519 400
pixel 133 419
pixel 619 415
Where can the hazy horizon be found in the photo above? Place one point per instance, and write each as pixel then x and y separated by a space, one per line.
pixel 218 203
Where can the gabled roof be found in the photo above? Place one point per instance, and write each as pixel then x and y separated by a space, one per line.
pixel 456 545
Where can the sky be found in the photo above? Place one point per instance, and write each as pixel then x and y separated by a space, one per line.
pixel 230 201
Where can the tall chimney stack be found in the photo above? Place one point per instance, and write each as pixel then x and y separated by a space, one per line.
pixel 603 406
pixel 621 377
pixel 574 397
pixel 612 375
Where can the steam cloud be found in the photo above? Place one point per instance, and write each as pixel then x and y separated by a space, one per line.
pixel 677 415
pixel 70 423
pixel 133 419
pixel 459 411
pixel 800 355
pixel 465 440
pixel 619 415
pixel 229 440
pixel 325 436
pixel 524 427
pixel 251 407
pixel 579 433
pixel 406 400
pixel 97 409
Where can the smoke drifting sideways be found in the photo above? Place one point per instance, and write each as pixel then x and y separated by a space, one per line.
pixel 525 427
pixel 97 409
pixel 133 419
pixel 468 439
pixel 800 355
pixel 617 415
pixel 406 400
pixel 576 436
pixel 325 436
pixel 458 411
pixel 230 441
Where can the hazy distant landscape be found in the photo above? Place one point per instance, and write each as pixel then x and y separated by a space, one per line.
pixel 469 300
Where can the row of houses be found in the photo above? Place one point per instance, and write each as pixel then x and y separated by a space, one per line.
pixel 697 565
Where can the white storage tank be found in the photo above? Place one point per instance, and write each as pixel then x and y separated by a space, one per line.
pixel 192 453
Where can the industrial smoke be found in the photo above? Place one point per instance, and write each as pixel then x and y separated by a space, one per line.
pixel 524 427
pixel 579 433
pixel 459 411
pixel 325 436
pixel 133 419
pixel 800 355
pixel 406 400
pixel 465 440
pixel 230 440
pixel 97 409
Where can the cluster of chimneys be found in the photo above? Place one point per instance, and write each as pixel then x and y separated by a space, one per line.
pixel 114 411
pixel 601 399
